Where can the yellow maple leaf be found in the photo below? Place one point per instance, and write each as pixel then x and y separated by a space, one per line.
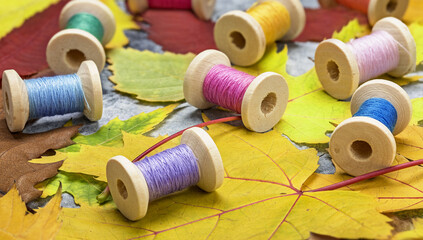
pixel 14 13
pixel 414 11
pixel 17 223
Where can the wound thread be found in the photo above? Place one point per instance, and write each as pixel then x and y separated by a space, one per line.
pixel 376 54
pixel 379 109
pixel 273 18
pixel 169 171
pixel 49 96
pixel 226 87
pixel 360 5
pixel 171 4
pixel 88 23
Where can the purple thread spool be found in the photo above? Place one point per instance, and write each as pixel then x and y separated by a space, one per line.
pixel 261 100
pixel 342 67
pixel 134 185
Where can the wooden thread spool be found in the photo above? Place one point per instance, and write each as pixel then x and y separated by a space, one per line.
pixel 129 187
pixel 376 9
pixel 202 8
pixel 337 67
pixel 16 103
pixel 242 38
pixel 362 144
pixel 264 101
pixel 69 47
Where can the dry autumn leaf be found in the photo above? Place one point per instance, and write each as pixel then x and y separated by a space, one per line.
pixel 414 11
pixel 17 223
pixel 414 234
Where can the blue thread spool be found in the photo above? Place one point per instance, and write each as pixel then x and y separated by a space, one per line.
pixel 87 25
pixel 49 96
pixel 365 142
pixel 129 186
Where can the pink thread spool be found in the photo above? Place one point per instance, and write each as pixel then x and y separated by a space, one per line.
pixel 375 9
pixel 202 8
pixel 263 102
pixel 342 67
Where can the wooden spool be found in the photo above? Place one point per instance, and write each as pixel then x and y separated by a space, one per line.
pixel 377 9
pixel 68 48
pixel 337 67
pixel 241 37
pixel 362 144
pixel 129 188
pixel 202 8
pixel 16 104
pixel 264 101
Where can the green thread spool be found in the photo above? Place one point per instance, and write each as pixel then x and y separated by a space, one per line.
pixel 87 22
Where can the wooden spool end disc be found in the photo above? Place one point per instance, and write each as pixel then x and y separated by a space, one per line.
pixel 297 15
pixel 337 68
pixel 406 44
pixel 328 3
pixel 208 157
pixel 240 37
pixel 197 72
pixel 15 100
pixel 128 187
pixel 389 91
pixel 379 9
pixel 91 85
pixel 264 102
pixel 203 8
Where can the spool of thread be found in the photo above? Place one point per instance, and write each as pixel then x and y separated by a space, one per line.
pixel 49 96
pixel 87 25
pixel 211 81
pixel 196 161
pixel 342 67
pixel 202 8
pixel 365 142
pixel 243 36
pixel 375 9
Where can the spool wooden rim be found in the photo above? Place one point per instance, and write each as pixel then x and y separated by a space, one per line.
pixel 91 85
pixel 391 92
pixel 15 100
pixel 337 68
pixel 68 48
pixel 240 37
pixel 406 44
pixel 297 15
pixel 362 144
pixel 264 102
pixel 379 9
pixel 93 7
pixel 129 188
pixel 202 8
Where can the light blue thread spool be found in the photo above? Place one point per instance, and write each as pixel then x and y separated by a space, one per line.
pixel 379 109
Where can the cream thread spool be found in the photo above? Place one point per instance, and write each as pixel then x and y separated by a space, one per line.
pixel 69 47
pixel 264 101
pixel 242 38
pixel 16 103
pixel 202 8
pixel 337 67
pixel 377 9
pixel 129 187
pixel 362 144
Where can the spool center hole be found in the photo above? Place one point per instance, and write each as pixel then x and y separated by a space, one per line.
pixel 6 99
pixel 391 6
pixel 122 189
pixel 74 58
pixel 333 70
pixel 268 103
pixel 238 39
pixel 361 150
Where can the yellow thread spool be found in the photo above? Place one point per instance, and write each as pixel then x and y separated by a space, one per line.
pixel 243 36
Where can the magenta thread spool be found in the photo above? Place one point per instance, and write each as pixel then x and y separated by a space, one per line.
pixel 342 67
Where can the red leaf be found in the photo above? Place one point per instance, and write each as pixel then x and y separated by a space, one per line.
pixel 321 23
pixel 24 49
pixel 179 31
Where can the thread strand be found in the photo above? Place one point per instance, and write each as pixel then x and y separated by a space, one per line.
pixel 88 23
pixel 381 110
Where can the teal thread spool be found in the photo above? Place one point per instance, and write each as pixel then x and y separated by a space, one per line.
pixel 87 26
pixel 24 100
pixel 365 142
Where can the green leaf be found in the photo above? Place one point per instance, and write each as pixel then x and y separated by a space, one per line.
pixel 416 30
pixel 417 111
pixel 149 76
